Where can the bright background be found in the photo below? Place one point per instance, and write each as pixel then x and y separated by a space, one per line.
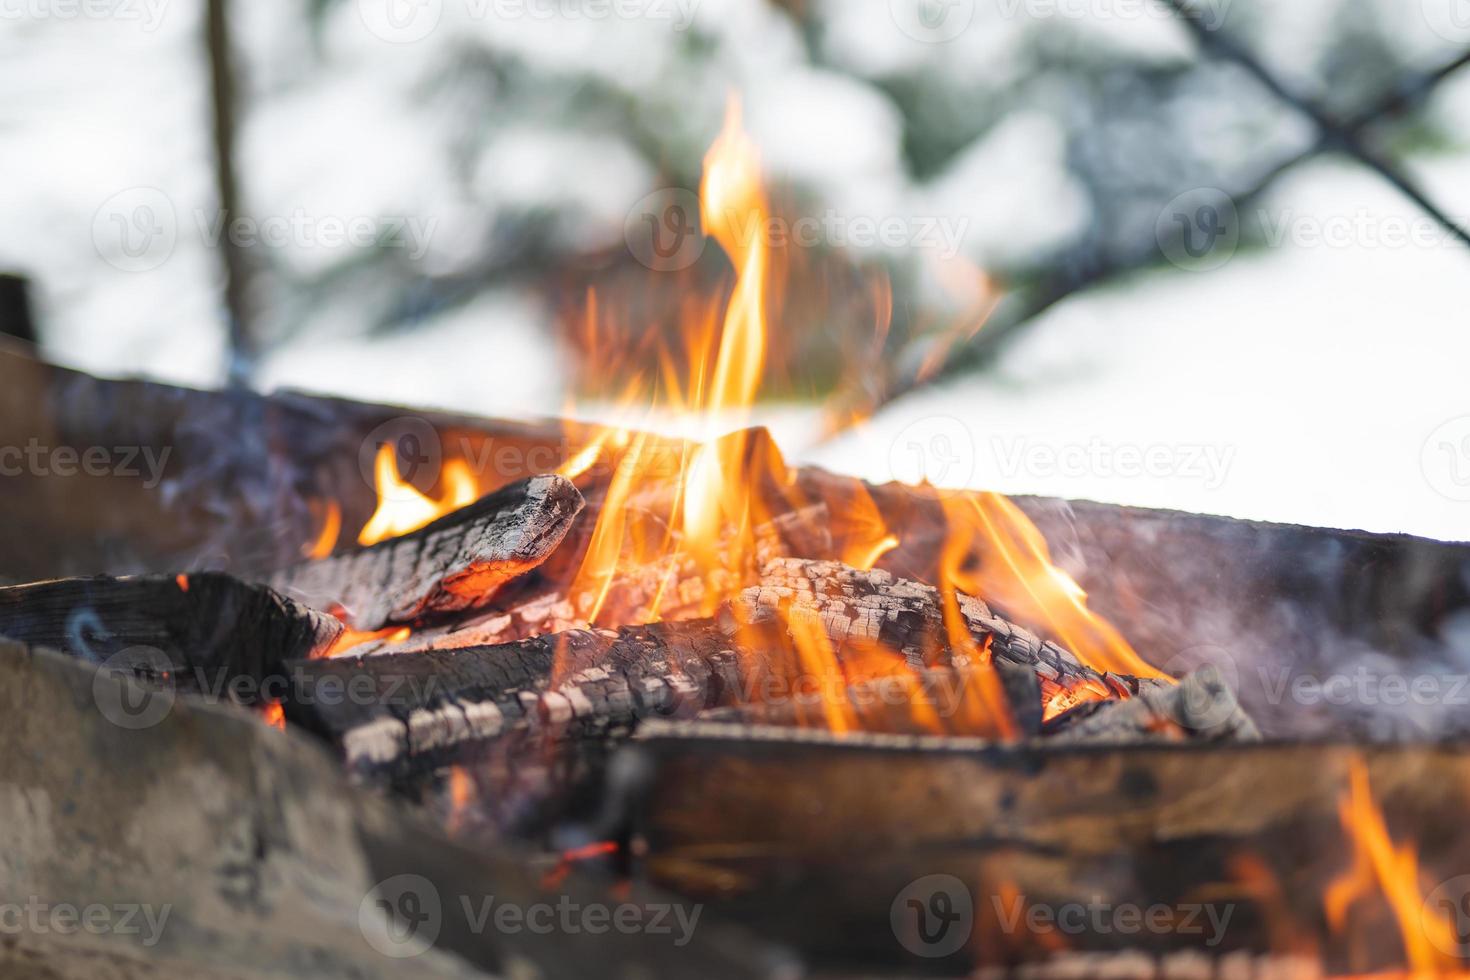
pixel 1326 378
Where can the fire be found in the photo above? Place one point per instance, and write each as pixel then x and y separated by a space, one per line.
pixel 1393 870
pixel 402 508
pixel 326 540
pixel 689 519
pixel 350 639
pixel 711 515
pixel 1012 567
pixel 274 715
pixel 1057 699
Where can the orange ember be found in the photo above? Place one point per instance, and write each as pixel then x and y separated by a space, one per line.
pixel 275 715
pixel 352 639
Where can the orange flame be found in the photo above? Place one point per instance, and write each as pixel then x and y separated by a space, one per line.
pixel 402 508
pixel 350 639
pixel 995 552
pixel 274 715
pixel 1392 869
pixel 326 540
pixel 712 512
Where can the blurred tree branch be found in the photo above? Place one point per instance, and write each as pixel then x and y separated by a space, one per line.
pixel 1085 266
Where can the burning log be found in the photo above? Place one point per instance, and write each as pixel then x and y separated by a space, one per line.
pixel 890 649
pixel 669 588
pixel 205 628
pixel 458 562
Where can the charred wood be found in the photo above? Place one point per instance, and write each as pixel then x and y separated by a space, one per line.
pixel 764 823
pixel 456 563
pixel 203 630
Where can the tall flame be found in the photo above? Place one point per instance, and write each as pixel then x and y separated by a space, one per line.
pixel 711 516
pixel 1392 869
pixel 675 513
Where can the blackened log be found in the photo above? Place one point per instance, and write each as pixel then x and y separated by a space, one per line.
pixel 670 588
pixel 206 629
pixel 458 562
pixel 892 670
pixel 812 839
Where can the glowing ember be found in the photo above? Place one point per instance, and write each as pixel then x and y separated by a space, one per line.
pixel 183 582
pixel 1056 698
pixel 274 715
pixel 402 508
pixel 351 639
pixel 570 859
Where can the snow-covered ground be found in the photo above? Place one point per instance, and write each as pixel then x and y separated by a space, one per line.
pixel 1310 383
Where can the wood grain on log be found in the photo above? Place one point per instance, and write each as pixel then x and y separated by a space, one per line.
pixel 893 669
pixel 207 629
pixel 456 563
pixel 763 826
pixel 243 852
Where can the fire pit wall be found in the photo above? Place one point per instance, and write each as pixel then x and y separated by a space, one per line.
pixel 1323 633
